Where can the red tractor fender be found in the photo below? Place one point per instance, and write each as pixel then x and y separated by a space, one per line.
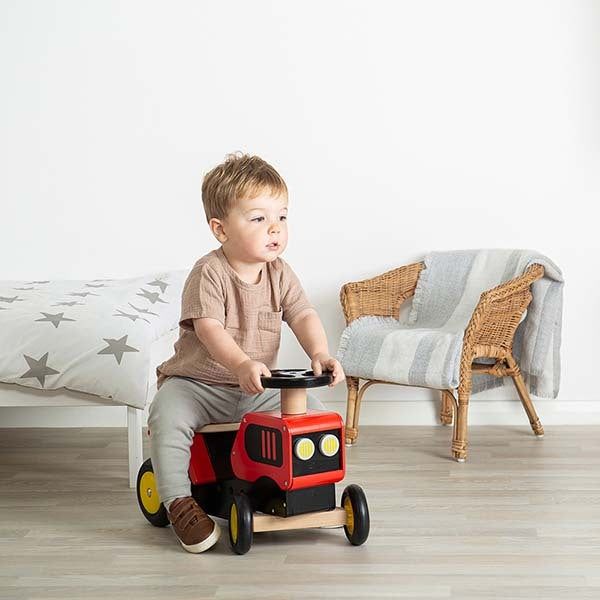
pixel 201 469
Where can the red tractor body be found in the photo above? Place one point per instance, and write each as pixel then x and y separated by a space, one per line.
pixel 264 447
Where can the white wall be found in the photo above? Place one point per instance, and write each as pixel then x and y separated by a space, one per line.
pixel 400 127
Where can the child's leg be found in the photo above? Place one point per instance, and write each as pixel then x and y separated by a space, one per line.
pixel 181 407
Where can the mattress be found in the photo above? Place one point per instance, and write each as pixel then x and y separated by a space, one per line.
pixel 98 337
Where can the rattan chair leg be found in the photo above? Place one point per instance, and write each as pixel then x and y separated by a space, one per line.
pixel 459 441
pixel 447 408
pixel 519 382
pixel 351 412
pixel 361 393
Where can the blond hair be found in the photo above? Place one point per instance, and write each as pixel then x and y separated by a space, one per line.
pixel 241 176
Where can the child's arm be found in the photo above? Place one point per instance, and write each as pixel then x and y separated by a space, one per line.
pixel 219 343
pixel 308 329
pixel 224 350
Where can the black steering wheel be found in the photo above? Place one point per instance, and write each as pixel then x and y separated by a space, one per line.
pixel 296 378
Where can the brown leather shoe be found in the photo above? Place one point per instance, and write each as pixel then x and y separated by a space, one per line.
pixel 196 531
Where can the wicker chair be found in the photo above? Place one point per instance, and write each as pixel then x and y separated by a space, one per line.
pixel 489 334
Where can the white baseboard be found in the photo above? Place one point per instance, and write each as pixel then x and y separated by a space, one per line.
pixel 373 412
pixel 491 412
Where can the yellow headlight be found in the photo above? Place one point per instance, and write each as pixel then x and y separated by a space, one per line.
pixel 304 448
pixel 329 445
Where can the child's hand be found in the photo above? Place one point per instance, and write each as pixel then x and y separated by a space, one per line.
pixel 248 374
pixel 324 362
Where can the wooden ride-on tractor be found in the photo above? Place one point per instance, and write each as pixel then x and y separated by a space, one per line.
pixel 275 470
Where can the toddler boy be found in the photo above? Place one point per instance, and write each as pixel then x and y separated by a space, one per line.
pixel 233 302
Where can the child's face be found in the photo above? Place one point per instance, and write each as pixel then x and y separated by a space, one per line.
pixel 253 225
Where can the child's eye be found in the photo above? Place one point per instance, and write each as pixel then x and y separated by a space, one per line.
pixel 259 219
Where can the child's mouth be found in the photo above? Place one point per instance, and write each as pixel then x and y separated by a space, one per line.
pixel 273 246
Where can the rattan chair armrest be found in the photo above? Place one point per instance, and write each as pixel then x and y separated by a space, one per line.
pixel 514 286
pixel 381 295
pixel 499 311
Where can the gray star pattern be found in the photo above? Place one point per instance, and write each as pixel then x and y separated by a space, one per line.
pixel 11 299
pixel 143 310
pixel 72 303
pixel 83 294
pixel 152 296
pixel 163 285
pixel 117 348
pixel 134 318
pixel 54 319
pixel 38 369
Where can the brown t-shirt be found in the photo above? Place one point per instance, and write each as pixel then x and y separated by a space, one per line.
pixel 250 313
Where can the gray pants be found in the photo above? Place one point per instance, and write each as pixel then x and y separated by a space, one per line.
pixel 182 406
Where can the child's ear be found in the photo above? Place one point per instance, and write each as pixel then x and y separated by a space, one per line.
pixel 217 228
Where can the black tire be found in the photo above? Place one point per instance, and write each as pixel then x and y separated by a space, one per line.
pixel 357 524
pixel 148 499
pixel 240 524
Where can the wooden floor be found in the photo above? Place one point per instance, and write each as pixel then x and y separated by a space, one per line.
pixel 520 519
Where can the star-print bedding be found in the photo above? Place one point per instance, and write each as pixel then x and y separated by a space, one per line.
pixel 90 336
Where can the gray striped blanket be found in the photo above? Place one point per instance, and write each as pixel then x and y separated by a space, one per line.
pixel 425 350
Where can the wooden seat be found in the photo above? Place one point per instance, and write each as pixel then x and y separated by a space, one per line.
pixel 489 334
pixel 216 427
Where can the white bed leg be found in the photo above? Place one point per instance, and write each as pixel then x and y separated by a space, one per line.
pixel 134 438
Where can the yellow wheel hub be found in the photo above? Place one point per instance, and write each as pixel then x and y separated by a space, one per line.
pixel 148 493
pixel 349 515
pixel 233 523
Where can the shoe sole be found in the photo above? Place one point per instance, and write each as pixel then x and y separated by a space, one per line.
pixel 209 542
